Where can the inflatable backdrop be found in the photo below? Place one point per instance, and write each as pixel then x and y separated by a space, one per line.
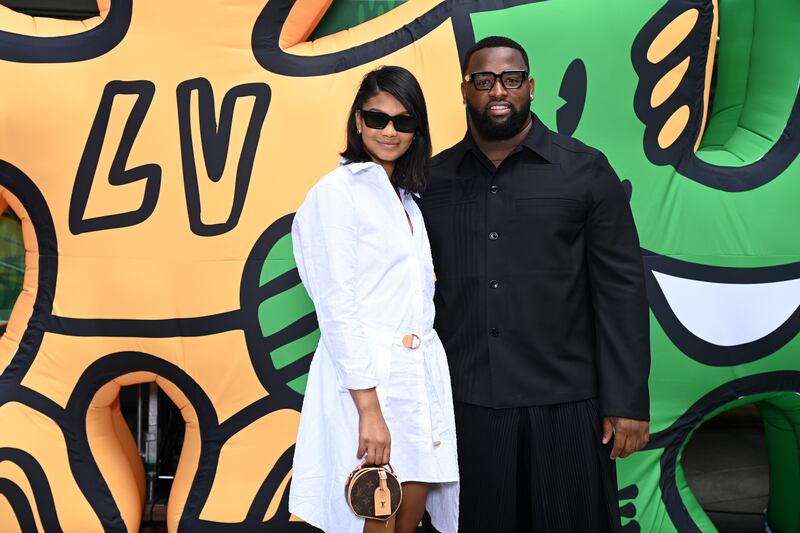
pixel 155 154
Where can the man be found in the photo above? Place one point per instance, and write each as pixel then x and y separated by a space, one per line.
pixel 541 305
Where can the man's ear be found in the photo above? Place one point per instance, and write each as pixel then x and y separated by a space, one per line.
pixel 464 92
pixel 532 86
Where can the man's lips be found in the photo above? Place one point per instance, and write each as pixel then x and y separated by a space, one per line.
pixel 498 109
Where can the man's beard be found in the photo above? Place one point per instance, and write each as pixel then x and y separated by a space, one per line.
pixel 492 130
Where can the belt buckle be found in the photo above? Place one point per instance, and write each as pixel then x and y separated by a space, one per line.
pixel 412 341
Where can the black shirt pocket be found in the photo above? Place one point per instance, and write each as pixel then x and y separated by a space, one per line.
pixel 547 233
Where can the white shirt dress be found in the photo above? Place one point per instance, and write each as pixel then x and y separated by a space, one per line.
pixel 372 283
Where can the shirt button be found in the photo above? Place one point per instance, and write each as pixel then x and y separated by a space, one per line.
pixel 494 284
pixel 494 332
pixel 493 236
pixel 494 189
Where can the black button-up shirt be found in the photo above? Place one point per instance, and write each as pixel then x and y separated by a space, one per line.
pixel 540 293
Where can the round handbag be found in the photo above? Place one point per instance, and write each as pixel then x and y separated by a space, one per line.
pixel 373 492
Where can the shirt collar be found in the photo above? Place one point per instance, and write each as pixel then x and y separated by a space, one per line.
pixel 357 167
pixel 539 140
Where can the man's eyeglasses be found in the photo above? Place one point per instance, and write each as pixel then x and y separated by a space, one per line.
pixel 484 81
pixel 377 120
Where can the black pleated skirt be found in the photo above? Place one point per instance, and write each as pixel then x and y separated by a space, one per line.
pixel 538 469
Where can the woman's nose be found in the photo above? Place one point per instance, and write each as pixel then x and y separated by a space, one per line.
pixel 389 130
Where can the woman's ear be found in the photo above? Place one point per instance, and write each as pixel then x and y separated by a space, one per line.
pixel 358 121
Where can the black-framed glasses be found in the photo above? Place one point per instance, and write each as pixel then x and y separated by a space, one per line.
pixel 377 120
pixel 484 81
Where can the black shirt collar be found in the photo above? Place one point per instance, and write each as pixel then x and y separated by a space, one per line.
pixel 538 140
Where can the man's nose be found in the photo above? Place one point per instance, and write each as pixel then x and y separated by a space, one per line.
pixel 498 89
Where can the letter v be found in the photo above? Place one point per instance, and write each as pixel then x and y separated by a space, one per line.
pixel 215 141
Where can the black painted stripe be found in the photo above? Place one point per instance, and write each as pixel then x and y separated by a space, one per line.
pixel 42 492
pixel 19 503
pixel 162 328
pixel 69 48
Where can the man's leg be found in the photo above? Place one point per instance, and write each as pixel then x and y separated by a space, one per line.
pixel 573 481
pixel 488 465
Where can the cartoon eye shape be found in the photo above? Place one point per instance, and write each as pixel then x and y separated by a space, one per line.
pixel 722 316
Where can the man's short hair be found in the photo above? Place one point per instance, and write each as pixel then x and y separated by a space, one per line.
pixel 495 41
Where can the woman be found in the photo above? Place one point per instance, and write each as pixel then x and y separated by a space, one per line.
pixel 379 388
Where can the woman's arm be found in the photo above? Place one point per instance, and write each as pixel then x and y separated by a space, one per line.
pixel 373 433
pixel 325 240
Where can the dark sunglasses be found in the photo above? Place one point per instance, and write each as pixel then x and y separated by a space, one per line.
pixel 378 120
pixel 484 81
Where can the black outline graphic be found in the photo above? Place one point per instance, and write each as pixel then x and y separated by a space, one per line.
pixel 118 174
pixel 680 155
pixel 260 347
pixel 72 420
pixel 19 504
pixel 573 92
pixel 70 48
pixel 269 25
pixel 703 351
pixel 674 437
pixel 42 492
pixel 84 467
pixel 151 328
pixel 215 140
pixel 31 198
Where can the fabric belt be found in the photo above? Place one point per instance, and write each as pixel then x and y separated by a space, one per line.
pixel 414 341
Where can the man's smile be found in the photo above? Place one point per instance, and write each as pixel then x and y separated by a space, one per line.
pixel 499 109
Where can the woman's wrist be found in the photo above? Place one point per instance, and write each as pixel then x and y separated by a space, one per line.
pixel 366 401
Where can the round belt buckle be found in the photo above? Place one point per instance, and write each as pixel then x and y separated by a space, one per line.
pixel 412 342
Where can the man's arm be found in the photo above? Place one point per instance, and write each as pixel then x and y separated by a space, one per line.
pixel 616 279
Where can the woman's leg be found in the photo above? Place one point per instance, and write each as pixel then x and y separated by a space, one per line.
pixel 410 513
pixel 380 526
pixel 408 516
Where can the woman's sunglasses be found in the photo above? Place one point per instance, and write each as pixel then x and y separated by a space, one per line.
pixel 378 120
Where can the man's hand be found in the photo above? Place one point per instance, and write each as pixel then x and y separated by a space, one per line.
pixel 629 435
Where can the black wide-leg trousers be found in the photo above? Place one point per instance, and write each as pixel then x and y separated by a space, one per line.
pixel 538 469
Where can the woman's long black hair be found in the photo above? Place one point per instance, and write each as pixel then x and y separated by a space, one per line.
pixel 411 169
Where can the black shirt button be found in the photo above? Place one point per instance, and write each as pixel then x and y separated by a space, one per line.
pixel 493 236
pixel 494 332
pixel 494 284
pixel 493 189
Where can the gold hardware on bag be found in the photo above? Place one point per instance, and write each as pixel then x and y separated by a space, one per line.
pixel 412 342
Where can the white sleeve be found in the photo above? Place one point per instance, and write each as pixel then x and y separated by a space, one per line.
pixel 325 239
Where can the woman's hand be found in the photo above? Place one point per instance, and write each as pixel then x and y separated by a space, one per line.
pixel 373 433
